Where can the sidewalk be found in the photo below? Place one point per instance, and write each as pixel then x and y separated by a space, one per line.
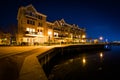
pixel 31 69
pixel 23 65
pixel 13 66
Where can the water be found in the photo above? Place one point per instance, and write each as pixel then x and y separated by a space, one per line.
pixel 94 65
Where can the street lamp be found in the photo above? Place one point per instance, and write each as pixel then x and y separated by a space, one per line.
pixel 101 38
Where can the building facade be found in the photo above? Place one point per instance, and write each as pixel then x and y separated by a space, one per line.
pixel 33 27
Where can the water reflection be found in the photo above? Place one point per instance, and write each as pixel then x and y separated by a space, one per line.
pixel 87 65
pixel 101 54
pixel 71 60
pixel 101 57
pixel 84 61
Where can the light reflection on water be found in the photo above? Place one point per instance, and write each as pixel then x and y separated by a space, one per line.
pixel 101 55
pixel 90 65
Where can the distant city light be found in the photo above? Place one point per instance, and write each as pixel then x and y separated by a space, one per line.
pixel 101 38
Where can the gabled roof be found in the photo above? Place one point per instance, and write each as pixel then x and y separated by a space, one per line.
pixel 34 10
pixel 56 22
pixel 31 7
pixel 62 20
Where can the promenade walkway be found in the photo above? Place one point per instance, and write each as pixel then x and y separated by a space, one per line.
pixel 21 63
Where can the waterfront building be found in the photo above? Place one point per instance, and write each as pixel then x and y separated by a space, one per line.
pixel 33 28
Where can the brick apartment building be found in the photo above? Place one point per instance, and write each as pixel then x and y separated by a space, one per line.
pixel 33 27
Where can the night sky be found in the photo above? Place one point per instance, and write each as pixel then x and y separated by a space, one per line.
pixel 99 17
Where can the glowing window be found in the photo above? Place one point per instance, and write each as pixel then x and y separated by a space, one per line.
pixel 27 29
pixel 55 34
pixel 33 30
pixel 40 33
pixel 30 30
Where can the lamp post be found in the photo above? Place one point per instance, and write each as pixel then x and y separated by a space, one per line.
pixel 101 38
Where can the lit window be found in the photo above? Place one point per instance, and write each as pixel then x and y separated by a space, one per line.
pixel 49 33
pixel 83 36
pixel 27 29
pixel 30 30
pixel 41 33
pixel 33 30
pixel 55 34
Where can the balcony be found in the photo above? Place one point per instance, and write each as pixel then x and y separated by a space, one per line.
pixel 31 34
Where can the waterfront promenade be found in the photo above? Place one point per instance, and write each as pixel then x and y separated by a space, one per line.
pixel 21 63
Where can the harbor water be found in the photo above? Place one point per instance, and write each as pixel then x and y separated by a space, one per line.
pixel 86 65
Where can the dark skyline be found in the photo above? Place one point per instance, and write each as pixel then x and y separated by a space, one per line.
pixel 100 17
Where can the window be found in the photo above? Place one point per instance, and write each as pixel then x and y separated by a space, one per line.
pixel 30 30
pixel 40 24
pixel 27 29
pixel 28 22
pixel 55 34
pixel 31 22
pixel 33 30
pixel 39 17
pixel 30 13
pixel 38 30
